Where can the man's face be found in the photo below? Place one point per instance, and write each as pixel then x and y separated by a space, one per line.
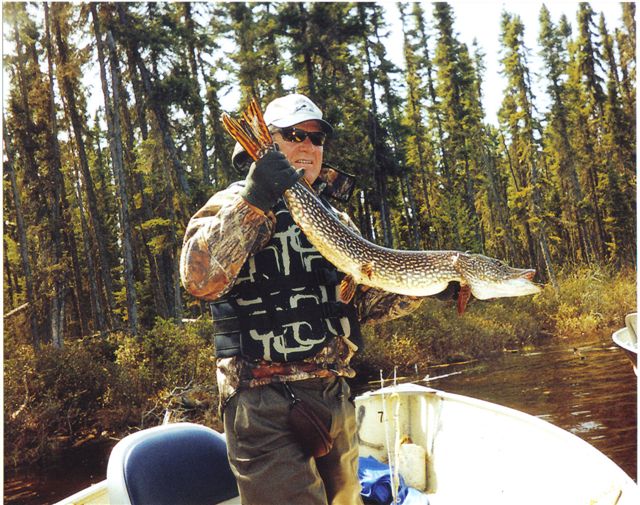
pixel 303 154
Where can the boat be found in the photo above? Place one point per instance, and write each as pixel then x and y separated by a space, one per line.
pixel 455 450
pixel 627 339
pixel 482 453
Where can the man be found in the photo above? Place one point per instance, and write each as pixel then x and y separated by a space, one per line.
pixel 278 319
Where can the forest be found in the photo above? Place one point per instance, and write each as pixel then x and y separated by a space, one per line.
pixel 95 204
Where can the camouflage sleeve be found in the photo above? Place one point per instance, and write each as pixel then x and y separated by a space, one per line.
pixel 374 305
pixel 218 240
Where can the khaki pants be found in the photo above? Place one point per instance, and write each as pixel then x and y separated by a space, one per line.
pixel 269 464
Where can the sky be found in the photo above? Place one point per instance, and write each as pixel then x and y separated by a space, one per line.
pixel 481 20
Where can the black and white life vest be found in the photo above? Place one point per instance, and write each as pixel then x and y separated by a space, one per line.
pixel 283 305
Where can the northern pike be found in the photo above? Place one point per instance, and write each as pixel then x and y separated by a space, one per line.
pixel 412 273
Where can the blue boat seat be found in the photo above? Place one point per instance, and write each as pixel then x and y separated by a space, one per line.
pixel 173 464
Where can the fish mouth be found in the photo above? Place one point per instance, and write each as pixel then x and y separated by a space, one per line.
pixel 520 284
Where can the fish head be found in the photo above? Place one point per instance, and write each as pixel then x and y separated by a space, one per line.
pixel 492 278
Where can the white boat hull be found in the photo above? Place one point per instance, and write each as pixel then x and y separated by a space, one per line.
pixel 476 453
pixel 98 494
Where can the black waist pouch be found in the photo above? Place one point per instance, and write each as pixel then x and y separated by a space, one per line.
pixel 307 428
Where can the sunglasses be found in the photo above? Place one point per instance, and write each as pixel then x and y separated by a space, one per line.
pixel 297 135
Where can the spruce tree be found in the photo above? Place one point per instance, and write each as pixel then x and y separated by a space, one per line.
pixel 553 40
pixel 517 117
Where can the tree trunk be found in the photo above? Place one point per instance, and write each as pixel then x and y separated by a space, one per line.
pixel 22 234
pixel 96 303
pixel 155 262
pixel 118 169
pixel 470 199
pixel 172 278
pixel 199 107
pixel 374 132
pixel 78 130
pixel 306 54
pixel 451 210
pixel 542 231
pixel 117 160
pixel 55 177
pixel 497 200
pixel 9 275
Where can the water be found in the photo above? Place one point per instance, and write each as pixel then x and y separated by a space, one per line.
pixel 79 468
pixel 590 391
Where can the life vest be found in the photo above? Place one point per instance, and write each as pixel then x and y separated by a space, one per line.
pixel 283 305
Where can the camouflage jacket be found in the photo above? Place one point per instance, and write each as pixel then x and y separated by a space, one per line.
pixel 218 240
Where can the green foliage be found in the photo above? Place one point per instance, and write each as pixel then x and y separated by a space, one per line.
pixel 594 300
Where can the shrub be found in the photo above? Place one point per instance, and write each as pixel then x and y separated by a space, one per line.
pixel 105 384
pixel 50 396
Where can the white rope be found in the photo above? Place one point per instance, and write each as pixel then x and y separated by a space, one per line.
pixel 393 452
pixel 395 482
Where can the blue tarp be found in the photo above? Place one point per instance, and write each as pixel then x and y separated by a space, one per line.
pixel 376 485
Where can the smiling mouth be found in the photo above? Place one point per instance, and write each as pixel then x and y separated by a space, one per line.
pixel 303 162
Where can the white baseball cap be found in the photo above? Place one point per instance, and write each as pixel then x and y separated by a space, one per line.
pixel 292 109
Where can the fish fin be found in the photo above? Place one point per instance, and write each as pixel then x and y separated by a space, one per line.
pixel 463 298
pixel 367 269
pixel 347 289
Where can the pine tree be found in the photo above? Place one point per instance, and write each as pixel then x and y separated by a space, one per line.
pixel 417 144
pixel 27 269
pixel 33 157
pixel 626 41
pixel 554 53
pixel 382 163
pixel 586 106
pixel 58 204
pixel 260 63
pixel 619 149
pixel 191 36
pixel 169 201
pixel 112 112
pixel 454 119
pixel 145 192
pixel 151 86
pixel 517 116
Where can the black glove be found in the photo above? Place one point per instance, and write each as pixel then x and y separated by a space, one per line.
pixel 268 179
pixel 450 292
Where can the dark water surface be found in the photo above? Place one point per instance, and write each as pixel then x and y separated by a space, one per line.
pixel 590 391
pixel 39 485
